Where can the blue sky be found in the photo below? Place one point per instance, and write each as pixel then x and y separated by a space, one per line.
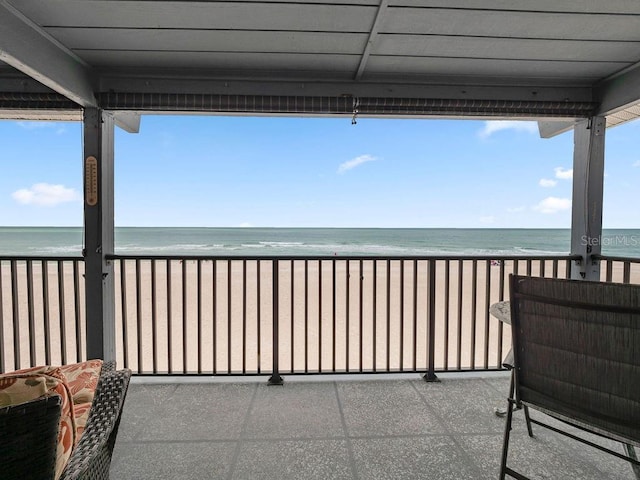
pixel 316 172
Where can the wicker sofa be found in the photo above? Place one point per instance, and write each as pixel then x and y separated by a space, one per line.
pixel 30 433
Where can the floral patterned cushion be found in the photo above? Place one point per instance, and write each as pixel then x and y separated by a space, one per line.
pixel 24 385
pixel 81 412
pixel 82 379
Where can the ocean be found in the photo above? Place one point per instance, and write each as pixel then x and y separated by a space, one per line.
pixel 67 241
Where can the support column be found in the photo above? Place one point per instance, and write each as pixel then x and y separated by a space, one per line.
pixel 99 233
pixel 588 182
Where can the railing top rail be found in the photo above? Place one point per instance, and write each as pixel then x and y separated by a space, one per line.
pixel 342 257
pixel 38 258
pixel 617 259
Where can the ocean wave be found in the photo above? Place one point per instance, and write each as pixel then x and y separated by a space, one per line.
pixel 59 249
pixel 181 247
pixel 282 244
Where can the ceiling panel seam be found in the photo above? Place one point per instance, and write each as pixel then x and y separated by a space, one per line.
pixel 512 10
pixel 505 37
pixel 372 37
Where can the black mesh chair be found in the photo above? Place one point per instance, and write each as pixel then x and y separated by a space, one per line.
pixel 576 348
pixel 29 431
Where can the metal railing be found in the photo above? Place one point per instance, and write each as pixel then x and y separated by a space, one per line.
pixel 291 315
pixel 41 311
pixel 275 315
pixel 619 269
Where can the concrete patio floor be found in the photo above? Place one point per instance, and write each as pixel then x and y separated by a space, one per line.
pixel 338 428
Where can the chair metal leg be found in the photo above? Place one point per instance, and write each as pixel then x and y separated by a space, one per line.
pixel 528 419
pixel 505 441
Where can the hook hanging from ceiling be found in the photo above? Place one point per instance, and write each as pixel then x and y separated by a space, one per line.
pixel 356 104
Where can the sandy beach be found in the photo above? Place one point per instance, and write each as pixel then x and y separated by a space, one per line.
pixel 334 315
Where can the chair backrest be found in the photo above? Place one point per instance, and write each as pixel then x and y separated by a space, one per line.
pixel 577 352
pixel 28 438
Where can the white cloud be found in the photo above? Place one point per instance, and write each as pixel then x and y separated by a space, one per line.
pixel 39 124
pixel 487 219
pixel 563 174
pixel 553 205
pixel 493 126
pixel 516 209
pixel 353 163
pixel 547 183
pixel 45 195
pixel 245 225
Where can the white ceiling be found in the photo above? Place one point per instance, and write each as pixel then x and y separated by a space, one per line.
pixel 502 58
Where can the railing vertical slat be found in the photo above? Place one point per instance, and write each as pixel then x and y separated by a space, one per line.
pixel 460 285
pixel 555 268
pixel 275 379
pixel 258 315
pixel 30 316
pixel 415 315
pixel 474 310
pixel 139 315
pixel 229 316
pixel 388 332
pixel 199 313
pixel 447 294
pixel 76 303
pixel 214 316
pixel 361 313
pixel 123 306
pixel 487 304
pixel 306 316
pixel 431 327
pixel 375 317
pixel 609 271
pixel 401 333
pixel 2 346
pixel 626 273
pixel 500 324
pixel 244 317
pixel 292 292
pixel 320 315
pixel 62 314
pixel 184 317
pixel 45 312
pixel 333 313
pixel 15 314
pixel 347 308
pixel 154 315
pixel 169 320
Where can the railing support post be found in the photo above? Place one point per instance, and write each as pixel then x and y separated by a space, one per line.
pixel 586 218
pixel 430 376
pixel 275 378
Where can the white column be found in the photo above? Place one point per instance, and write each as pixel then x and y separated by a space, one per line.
pixel 588 180
pixel 98 165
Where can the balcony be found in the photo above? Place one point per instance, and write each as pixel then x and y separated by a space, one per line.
pixel 189 326
pixel 344 428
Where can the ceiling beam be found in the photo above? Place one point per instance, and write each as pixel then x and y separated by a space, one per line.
pixel 447 88
pixel 372 36
pixel 619 91
pixel 24 46
pixel 127 121
pixel 551 128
